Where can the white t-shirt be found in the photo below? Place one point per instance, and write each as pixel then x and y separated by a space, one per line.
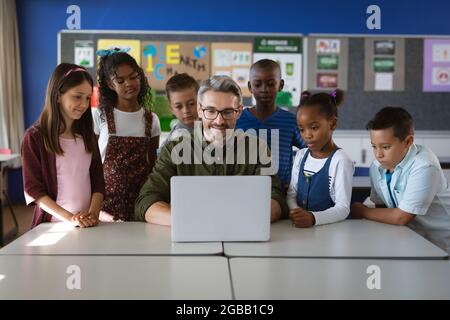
pixel 341 179
pixel 128 124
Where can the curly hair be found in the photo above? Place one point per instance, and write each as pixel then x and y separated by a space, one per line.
pixel 107 68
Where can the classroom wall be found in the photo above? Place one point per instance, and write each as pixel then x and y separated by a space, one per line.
pixel 40 20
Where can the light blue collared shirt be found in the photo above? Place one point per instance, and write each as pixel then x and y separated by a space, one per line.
pixel 419 187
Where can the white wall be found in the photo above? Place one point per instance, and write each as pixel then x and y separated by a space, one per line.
pixel 357 144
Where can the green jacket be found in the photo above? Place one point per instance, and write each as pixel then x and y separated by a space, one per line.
pixel 157 186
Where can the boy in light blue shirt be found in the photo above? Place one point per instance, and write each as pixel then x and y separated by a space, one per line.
pixel 408 184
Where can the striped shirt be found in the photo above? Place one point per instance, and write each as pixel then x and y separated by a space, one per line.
pixel 289 136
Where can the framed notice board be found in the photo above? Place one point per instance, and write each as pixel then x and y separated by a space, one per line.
pixel 380 71
pixel 200 54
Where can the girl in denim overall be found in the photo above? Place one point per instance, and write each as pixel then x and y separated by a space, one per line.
pixel 321 180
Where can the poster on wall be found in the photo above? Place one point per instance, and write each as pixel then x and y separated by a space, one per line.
pixel 134 45
pixel 232 59
pixel 288 53
pixel 327 80
pixel 328 63
pixel 161 60
pixel 84 53
pixel 384 81
pixel 384 47
pixel 383 64
pixel 328 46
pixel 327 58
pixel 436 71
pixel 384 68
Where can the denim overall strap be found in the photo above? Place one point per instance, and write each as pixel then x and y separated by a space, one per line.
pixel 313 192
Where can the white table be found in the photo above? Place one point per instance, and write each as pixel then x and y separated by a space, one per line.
pixel 346 239
pixel 114 277
pixel 269 279
pixel 4 158
pixel 361 182
pixel 447 174
pixel 115 238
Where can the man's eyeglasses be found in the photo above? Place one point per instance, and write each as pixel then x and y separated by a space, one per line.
pixel 227 114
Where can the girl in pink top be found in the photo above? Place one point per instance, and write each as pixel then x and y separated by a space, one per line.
pixel 62 167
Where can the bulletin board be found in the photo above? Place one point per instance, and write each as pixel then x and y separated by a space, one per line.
pixel 361 61
pixel 373 71
pixel 384 64
pixel 163 54
pixel 327 63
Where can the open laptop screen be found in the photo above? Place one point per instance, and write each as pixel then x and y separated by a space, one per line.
pixel 220 208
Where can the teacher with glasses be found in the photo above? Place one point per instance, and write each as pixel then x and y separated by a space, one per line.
pixel 213 149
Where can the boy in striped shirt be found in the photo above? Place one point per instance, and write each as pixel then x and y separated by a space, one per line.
pixel 265 82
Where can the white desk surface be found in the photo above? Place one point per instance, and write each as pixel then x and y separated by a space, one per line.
pixel 8 157
pixel 361 182
pixel 447 174
pixel 269 278
pixel 346 239
pixel 115 238
pixel 114 277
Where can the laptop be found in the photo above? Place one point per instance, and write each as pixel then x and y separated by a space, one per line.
pixel 220 208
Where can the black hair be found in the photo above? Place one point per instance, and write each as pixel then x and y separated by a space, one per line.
pixel 327 102
pixel 107 68
pixel 396 118
pixel 266 64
